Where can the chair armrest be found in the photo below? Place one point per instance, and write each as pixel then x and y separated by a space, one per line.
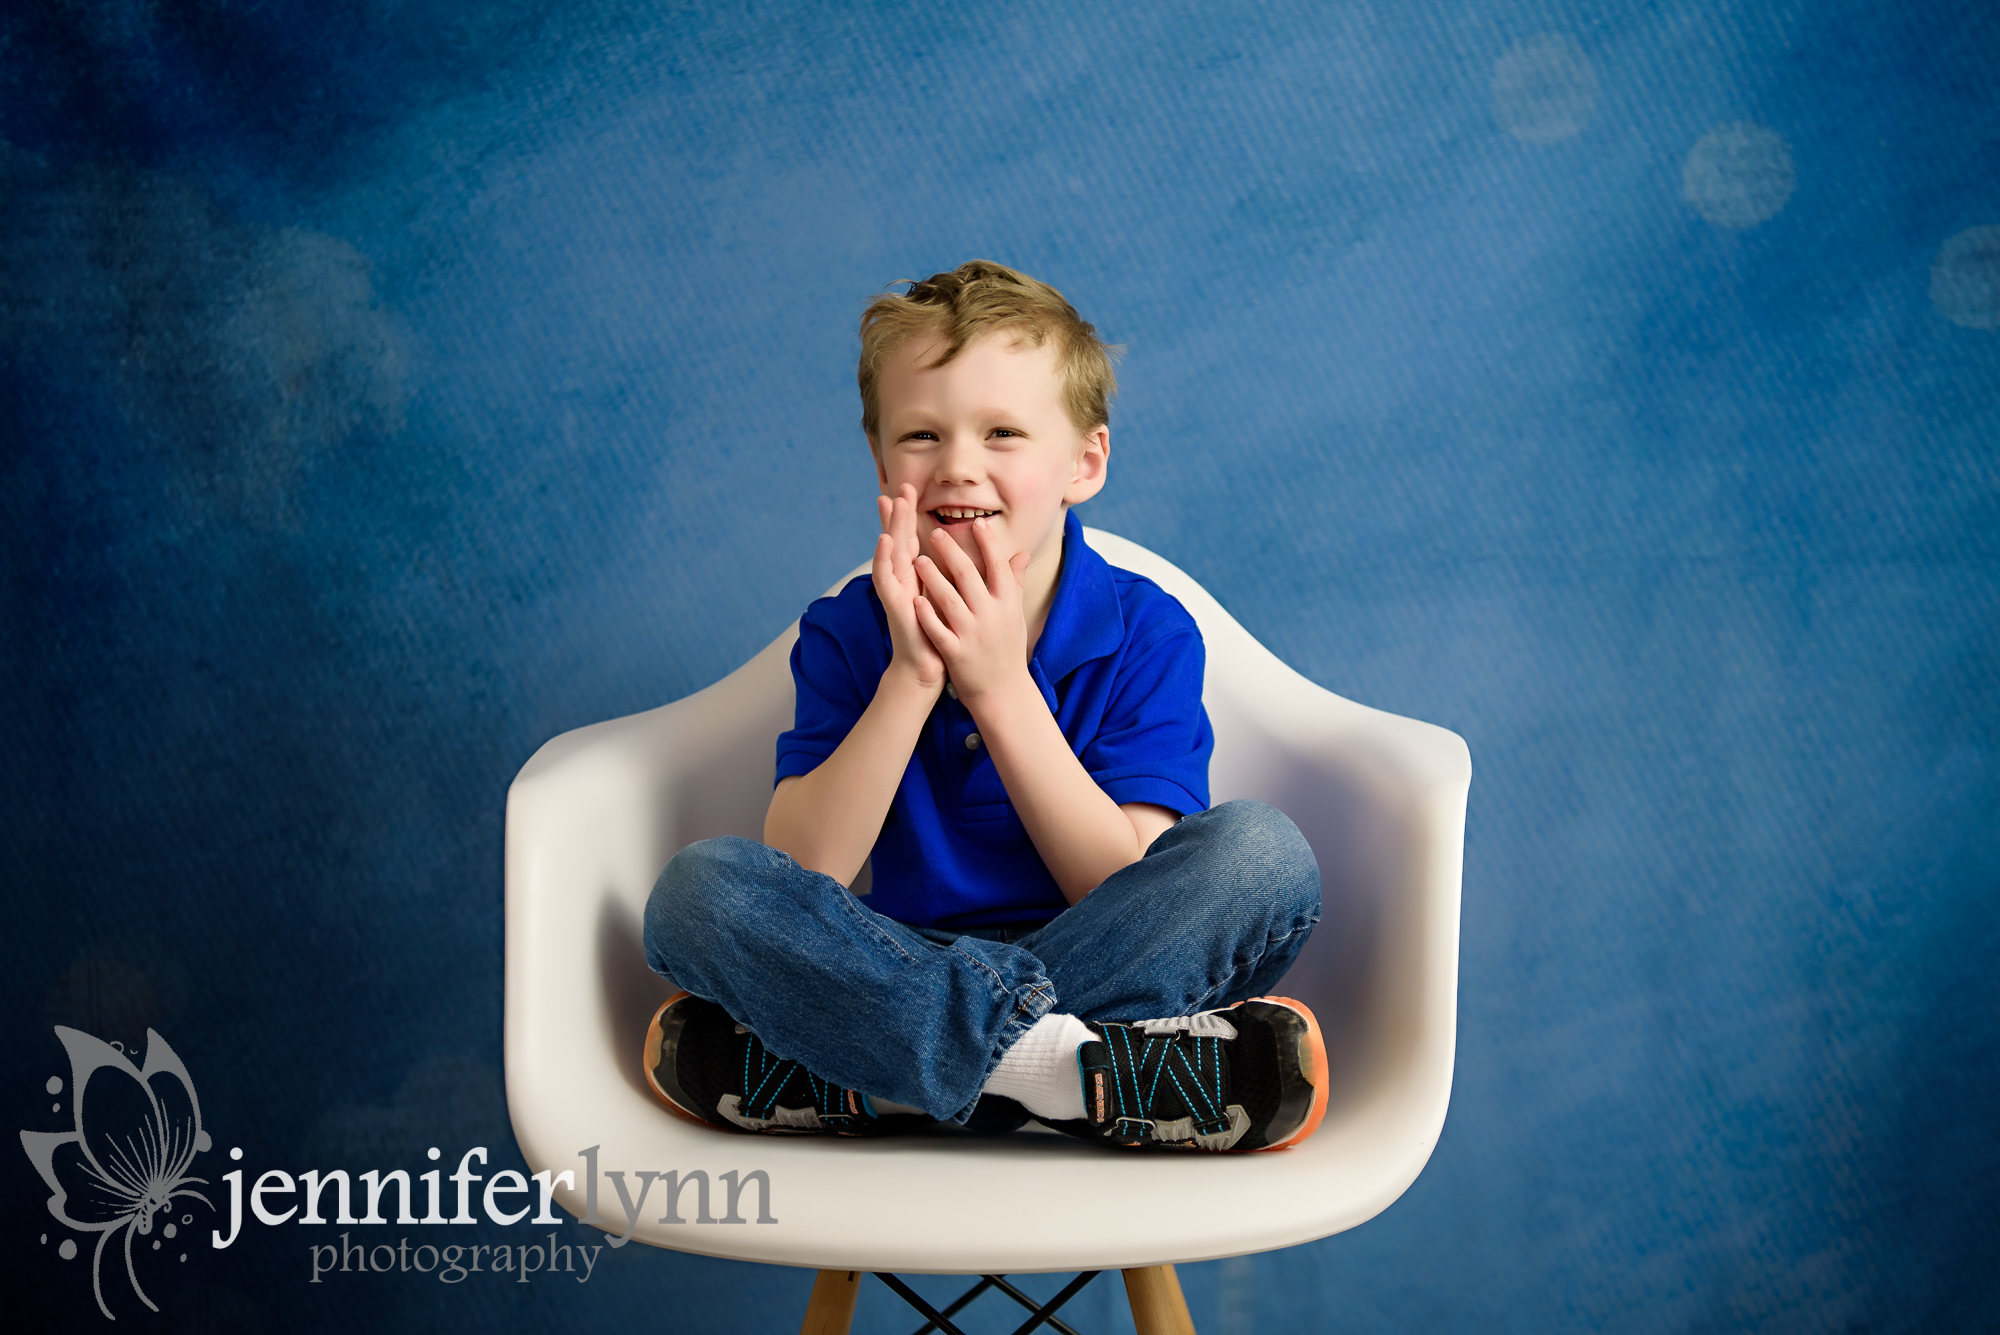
pixel 592 818
pixel 1381 799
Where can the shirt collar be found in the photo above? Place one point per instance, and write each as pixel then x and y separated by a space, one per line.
pixel 1085 620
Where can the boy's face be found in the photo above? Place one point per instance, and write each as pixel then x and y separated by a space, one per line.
pixel 986 434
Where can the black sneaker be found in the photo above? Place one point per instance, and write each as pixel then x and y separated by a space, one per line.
pixel 710 1069
pixel 1248 1077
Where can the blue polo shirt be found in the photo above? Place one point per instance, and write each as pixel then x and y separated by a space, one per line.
pixel 1119 663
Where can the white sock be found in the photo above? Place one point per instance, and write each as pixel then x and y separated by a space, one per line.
pixel 1039 1072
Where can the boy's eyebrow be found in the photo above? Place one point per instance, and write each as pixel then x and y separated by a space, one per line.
pixel 990 418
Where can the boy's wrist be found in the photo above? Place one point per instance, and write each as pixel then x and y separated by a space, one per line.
pixel 1014 696
pixel 903 677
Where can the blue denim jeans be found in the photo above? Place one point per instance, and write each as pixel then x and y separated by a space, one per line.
pixel 1212 915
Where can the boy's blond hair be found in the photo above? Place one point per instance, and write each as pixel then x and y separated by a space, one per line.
pixel 977 298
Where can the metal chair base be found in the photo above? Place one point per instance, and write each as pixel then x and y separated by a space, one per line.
pixel 1153 1291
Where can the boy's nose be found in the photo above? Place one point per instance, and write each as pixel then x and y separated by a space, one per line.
pixel 958 462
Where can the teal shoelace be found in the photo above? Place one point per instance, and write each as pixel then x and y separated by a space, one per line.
pixel 1145 1068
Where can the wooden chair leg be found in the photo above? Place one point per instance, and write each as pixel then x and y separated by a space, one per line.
pixel 831 1310
pixel 1157 1305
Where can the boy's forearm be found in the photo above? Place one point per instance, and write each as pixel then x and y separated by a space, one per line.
pixel 828 820
pixel 1081 833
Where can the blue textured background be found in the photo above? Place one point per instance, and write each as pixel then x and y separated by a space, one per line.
pixel 389 387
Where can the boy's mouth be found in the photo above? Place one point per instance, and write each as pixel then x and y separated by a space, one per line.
pixel 947 516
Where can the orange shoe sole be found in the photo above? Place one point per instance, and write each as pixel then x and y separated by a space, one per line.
pixel 649 1059
pixel 1312 1064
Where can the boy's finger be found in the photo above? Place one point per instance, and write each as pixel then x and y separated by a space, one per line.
pixel 937 582
pixel 982 534
pixel 952 558
pixel 943 593
pixel 906 528
pixel 883 564
pixel 932 625
pixel 912 534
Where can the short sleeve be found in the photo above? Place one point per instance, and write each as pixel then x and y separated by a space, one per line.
pixel 1154 741
pixel 826 678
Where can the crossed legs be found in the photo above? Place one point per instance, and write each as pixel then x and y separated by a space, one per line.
pixel 1213 914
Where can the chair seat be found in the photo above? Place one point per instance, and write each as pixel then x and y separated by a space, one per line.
pixel 596 813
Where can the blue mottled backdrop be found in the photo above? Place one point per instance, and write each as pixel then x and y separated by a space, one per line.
pixel 391 386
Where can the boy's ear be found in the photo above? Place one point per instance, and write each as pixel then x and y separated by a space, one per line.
pixel 1092 462
pixel 881 473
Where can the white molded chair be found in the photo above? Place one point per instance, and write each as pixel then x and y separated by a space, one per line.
pixel 596 813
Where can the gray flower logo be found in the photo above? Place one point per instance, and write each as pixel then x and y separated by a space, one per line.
pixel 137 1132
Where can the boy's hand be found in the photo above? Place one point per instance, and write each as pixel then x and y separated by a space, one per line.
pixel 897 585
pixel 976 624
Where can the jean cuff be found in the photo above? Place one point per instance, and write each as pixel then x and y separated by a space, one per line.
pixel 1032 1000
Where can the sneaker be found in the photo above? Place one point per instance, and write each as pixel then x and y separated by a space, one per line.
pixel 710 1069
pixel 1249 1077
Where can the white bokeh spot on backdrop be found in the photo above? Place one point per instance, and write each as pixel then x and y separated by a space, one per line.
pixel 1544 89
pixel 1965 278
pixel 1739 174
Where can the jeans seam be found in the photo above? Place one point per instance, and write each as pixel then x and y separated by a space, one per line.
pixel 1021 1004
pixel 1036 992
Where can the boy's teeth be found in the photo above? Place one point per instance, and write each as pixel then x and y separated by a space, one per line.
pixel 954 513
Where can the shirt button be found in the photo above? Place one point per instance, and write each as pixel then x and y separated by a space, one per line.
pixel 972 741
pixel 951 690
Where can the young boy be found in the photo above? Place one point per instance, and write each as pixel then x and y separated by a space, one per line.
pixel 1010 732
